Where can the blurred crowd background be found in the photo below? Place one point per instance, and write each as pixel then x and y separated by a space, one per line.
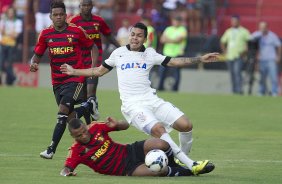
pixel 204 20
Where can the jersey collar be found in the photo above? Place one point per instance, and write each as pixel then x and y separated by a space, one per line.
pixel 141 50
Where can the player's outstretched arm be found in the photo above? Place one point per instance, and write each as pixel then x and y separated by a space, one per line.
pixel 89 72
pixel 186 61
pixel 67 172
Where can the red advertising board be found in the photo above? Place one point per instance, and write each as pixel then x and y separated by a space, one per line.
pixel 24 76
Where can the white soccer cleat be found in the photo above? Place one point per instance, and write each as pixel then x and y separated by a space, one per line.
pixel 46 155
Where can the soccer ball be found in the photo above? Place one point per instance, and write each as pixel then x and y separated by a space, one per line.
pixel 156 160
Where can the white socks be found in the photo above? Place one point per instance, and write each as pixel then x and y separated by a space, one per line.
pixel 185 140
pixel 177 151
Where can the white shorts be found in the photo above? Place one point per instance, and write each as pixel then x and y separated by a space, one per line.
pixel 145 113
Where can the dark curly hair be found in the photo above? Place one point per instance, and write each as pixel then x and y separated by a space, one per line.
pixel 57 4
pixel 142 26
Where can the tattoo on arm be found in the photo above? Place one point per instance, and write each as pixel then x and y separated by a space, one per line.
pixel 189 60
pixel 195 60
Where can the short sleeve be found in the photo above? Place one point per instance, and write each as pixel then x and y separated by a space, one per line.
pixel 277 41
pixel 224 38
pixel 158 59
pixel 111 61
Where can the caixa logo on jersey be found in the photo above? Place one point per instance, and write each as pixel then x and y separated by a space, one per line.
pixel 126 66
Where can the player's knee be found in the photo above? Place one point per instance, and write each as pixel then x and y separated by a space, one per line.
pixel 158 130
pixel 66 105
pixel 186 127
pixel 183 124
pixel 156 143
pixel 162 144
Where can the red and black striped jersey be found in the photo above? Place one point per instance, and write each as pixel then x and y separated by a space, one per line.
pixel 94 28
pixel 63 47
pixel 101 154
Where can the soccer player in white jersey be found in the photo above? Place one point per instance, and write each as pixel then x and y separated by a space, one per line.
pixel 140 104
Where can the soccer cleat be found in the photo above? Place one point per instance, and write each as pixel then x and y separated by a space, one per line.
pixel 202 167
pixel 178 162
pixel 47 154
pixel 94 111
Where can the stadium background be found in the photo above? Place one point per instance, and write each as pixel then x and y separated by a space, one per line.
pixel 208 78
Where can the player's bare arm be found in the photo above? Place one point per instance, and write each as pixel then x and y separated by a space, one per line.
pixel 67 172
pixel 34 63
pixel 119 125
pixel 185 61
pixel 89 72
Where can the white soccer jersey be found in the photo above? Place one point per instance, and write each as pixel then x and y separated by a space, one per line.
pixel 133 70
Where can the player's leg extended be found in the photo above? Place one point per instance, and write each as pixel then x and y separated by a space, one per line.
pixel 196 167
pixel 86 114
pixel 143 170
pixel 86 107
pixel 58 130
pixel 171 116
pixel 92 84
pixel 66 96
pixel 145 120
pixel 159 131
pixel 154 143
pixel 168 114
pixel 184 126
pixel 60 125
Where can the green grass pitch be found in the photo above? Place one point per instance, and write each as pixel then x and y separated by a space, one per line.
pixel 242 135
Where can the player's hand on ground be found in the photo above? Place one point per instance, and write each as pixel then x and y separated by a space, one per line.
pixel 210 57
pixel 33 67
pixel 66 69
pixel 66 172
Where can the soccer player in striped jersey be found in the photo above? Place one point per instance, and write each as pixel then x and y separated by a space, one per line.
pixel 95 27
pixel 63 42
pixel 94 148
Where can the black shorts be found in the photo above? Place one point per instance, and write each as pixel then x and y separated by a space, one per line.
pixel 72 90
pixel 135 157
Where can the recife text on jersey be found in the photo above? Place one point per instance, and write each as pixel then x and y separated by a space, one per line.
pixel 133 65
pixel 61 50
pixel 94 36
pixel 101 151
